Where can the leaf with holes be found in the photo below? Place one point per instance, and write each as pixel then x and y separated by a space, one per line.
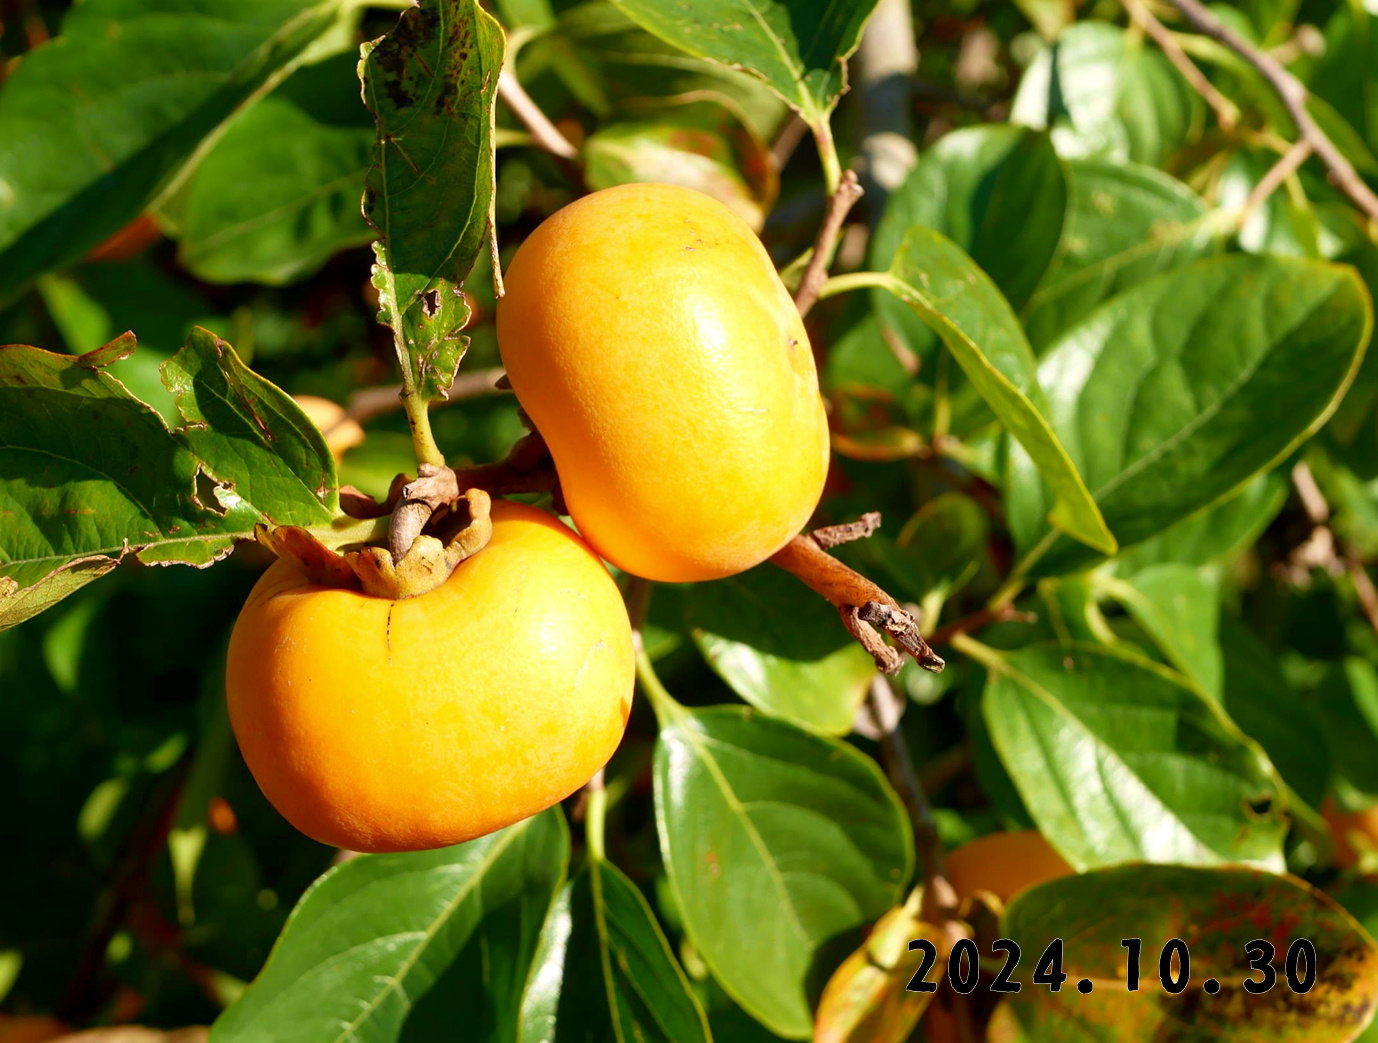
pixel 370 938
pixel 89 473
pixel 431 85
pixel 1117 760
pixel 763 823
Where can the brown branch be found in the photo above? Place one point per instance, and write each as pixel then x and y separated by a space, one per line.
pixel 841 202
pixel 1005 613
pixel 544 133
pixel 1279 172
pixel 1322 550
pixel 862 603
pixel 836 535
pixel 1226 112
pixel 1293 95
pixel 367 403
pixel 788 140
pixel 940 899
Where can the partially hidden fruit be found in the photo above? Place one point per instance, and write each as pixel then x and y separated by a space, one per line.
pixel 1355 833
pixel 645 331
pixel 380 725
pixel 30 1028
pixel 1004 864
pixel 342 432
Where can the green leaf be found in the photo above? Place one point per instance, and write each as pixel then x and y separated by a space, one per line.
pixel 766 825
pixel 798 47
pixel 1180 609
pixel 998 191
pixel 808 671
pixel 1117 760
pixel 1175 393
pixel 95 125
pixel 1125 223
pixel 1347 708
pixel 1105 92
pixel 1259 699
pixel 697 144
pixel 279 192
pixel 253 440
pixel 89 473
pixel 613 65
pixel 371 937
pixel 1214 533
pixel 1217 913
pixel 431 85
pixel 933 276
pixel 604 971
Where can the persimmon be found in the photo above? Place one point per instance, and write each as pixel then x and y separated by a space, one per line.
pixel 342 432
pixel 1354 833
pixel 1004 864
pixel 647 334
pixel 381 725
pixel 30 1028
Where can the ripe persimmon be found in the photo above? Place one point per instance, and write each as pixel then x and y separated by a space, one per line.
pixel 381 725
pixel 1354 833
pixel 1004 864
pixel 646 332
pixel 342 432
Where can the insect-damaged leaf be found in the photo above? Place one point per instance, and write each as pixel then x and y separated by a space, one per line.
pixel 430 84
pixel 89 473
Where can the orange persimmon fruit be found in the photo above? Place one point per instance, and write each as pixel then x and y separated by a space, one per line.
pixel 342 432
pixel 1004 864
pixel 381 725
pixel 647 334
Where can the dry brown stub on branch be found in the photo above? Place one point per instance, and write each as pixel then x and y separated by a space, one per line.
pixel 864 606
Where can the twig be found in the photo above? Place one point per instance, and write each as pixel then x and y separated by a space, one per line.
pixel 1293 96
pixel 1226 112
pixel 1279 172
pixel 1322 550
pixel 940 897
pixel 788 140
pixel 862 604
pixel 366 403
pixel 839 204
pixel 1005 613
pixel 544 133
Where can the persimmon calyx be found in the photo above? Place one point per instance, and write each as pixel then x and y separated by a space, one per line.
pixel 464 529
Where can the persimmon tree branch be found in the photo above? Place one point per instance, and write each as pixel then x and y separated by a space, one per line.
pixel 1226 112
pixel 1279 172
pixel 366 403
pixel 886 706
pixel 1323 550
pixel 544 134
pixel 1293 95
pixel 840 204
pixel 863 605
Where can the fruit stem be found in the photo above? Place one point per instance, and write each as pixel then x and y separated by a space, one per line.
pixel 662 702
pixel 983 654
pixel 827 154
pixel 855 281
pixel 419 420
pixel 595 816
